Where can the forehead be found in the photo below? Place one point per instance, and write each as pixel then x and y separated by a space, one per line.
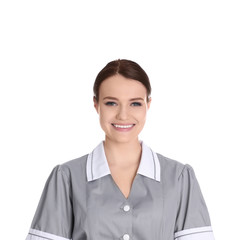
pixel 121 87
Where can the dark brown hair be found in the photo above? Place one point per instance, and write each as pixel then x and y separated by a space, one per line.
pixel 127 69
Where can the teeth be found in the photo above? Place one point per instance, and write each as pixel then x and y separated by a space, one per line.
pixel 123 126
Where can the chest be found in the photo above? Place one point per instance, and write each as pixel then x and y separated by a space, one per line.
pixel 123 178
pixel 110 215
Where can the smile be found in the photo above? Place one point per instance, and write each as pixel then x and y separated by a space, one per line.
pixel 123 126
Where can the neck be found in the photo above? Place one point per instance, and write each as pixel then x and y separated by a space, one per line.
pixel 122 154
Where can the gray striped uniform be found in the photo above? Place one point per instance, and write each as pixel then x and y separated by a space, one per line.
pixel 81 201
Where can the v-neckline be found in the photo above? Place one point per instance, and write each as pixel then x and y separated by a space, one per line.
pixel 119 190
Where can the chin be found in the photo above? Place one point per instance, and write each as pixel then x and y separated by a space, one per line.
pixel 122 139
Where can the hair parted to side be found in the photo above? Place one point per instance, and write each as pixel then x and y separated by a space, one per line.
pixel 127 69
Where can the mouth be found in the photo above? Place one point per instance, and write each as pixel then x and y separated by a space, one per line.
pixel 123 126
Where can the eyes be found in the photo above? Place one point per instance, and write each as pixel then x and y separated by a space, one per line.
pixel 134 104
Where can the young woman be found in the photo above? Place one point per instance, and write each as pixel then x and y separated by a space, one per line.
pixel 122 189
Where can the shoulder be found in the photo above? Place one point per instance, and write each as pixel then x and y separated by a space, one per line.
pixel 74 167
pixel 171 168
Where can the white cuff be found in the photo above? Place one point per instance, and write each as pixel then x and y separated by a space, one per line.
pixel 39 235
pixel 201 233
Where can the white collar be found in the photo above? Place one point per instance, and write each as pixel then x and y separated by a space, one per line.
pixel 97 165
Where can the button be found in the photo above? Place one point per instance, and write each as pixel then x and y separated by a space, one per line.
pixel 126 208
pixel 126 237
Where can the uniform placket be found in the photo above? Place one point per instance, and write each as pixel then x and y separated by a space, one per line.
pixel 126 210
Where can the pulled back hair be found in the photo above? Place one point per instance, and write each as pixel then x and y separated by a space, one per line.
pixel 127 69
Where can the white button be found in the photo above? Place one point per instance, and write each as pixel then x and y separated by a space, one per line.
pixel 126 208
pixel 126 237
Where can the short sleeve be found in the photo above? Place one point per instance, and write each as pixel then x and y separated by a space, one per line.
pixel 53 218
pixel 193 222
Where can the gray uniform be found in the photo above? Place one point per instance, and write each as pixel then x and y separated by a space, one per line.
pixel 81 201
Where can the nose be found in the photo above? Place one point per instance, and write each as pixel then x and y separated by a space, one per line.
pixel 122 113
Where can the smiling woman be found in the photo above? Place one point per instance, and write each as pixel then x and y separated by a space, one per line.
pixel 122 189
pixel 122 107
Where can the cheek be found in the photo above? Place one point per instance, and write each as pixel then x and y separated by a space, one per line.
pixel 103 122
pixel 141 115
pixel 105 115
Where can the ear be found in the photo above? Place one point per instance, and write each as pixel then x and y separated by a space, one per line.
pixel 149 102
pixel 95 103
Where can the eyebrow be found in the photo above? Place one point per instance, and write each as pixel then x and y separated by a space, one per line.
pixel 132 99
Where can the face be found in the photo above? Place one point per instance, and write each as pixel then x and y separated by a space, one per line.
pixel 122 108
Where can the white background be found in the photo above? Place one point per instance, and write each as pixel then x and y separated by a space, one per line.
pixel 50 54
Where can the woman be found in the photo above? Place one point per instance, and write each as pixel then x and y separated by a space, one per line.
pixel 122 189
